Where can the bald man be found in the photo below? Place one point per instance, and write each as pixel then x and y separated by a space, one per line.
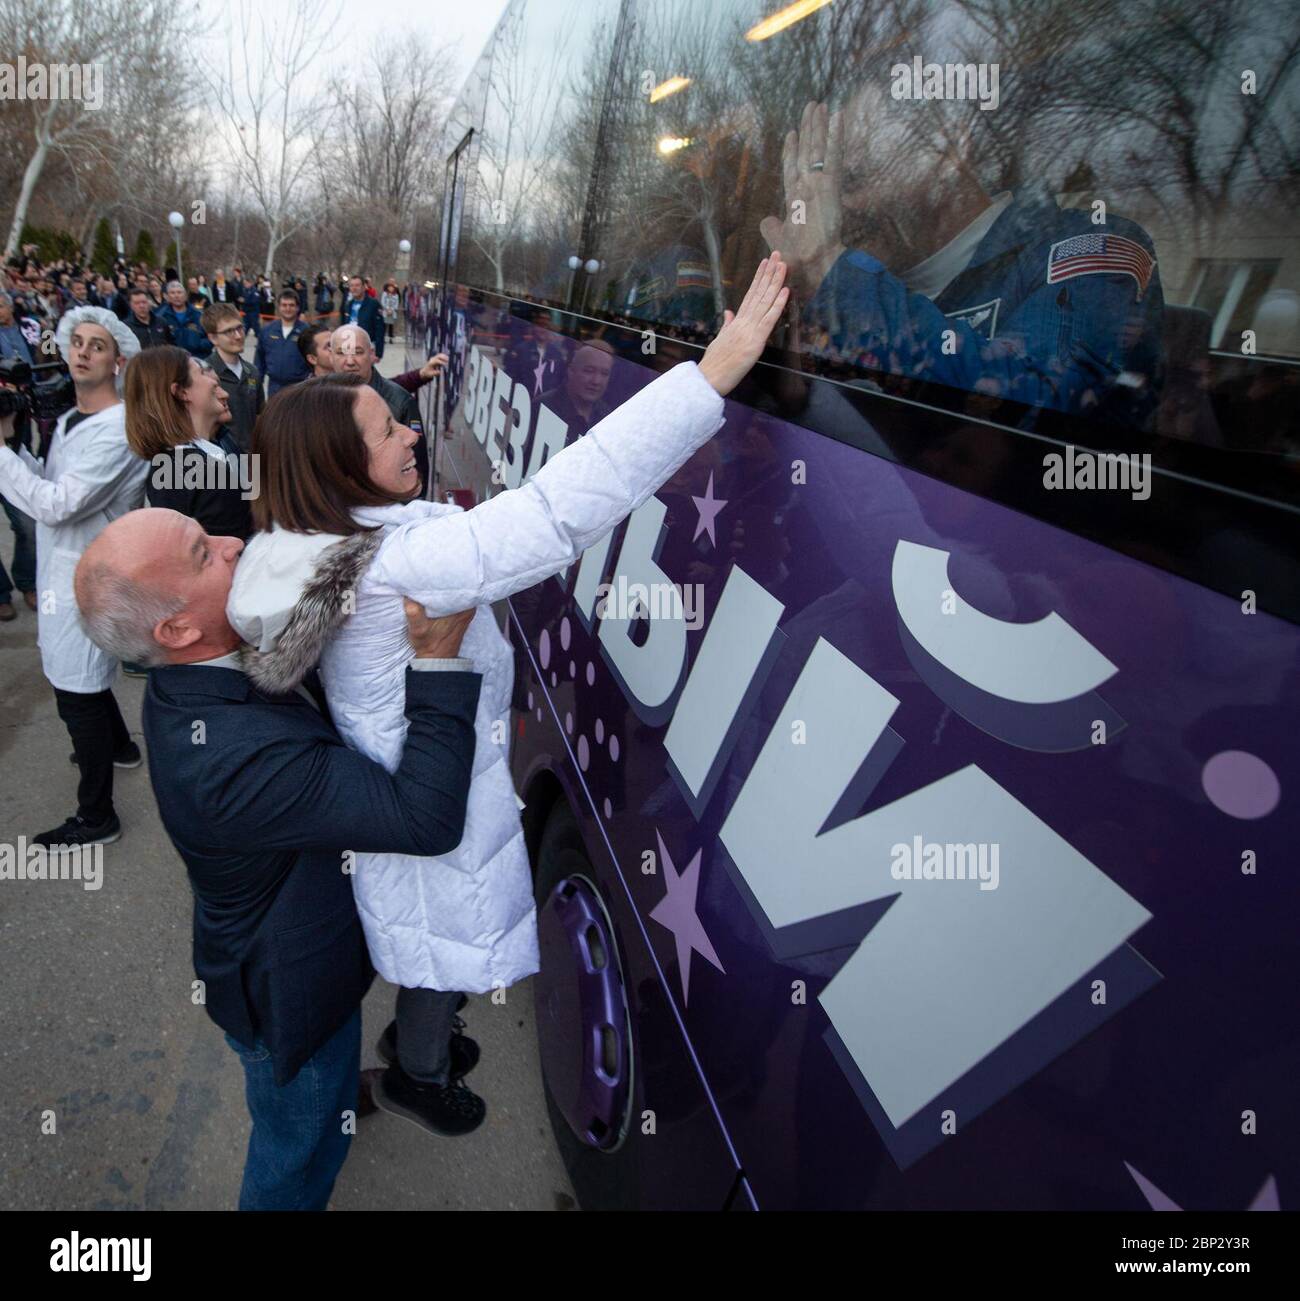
pixel 579 399
pixel 266 805
pixel 353 354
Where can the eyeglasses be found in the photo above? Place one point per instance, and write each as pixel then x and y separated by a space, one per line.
pixel 231 329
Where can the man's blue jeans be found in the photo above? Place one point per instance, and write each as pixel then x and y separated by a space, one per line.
pixel 298 1144
pixel 24 528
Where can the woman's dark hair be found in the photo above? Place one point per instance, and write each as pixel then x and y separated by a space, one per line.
pixel 313 459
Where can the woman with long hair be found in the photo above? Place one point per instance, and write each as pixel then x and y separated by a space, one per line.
pixel 342 542
pixel 175 410
pixel 389 304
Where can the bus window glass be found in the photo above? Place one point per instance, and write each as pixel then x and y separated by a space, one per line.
pixel 1066 217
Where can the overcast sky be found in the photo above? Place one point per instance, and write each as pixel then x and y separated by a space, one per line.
pixel 466 24
pixel 468 21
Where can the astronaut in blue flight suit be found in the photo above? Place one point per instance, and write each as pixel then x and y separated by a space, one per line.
pixel 1028 301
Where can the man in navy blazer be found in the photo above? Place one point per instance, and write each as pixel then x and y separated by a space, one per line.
pixel 266 806
pixel 358 308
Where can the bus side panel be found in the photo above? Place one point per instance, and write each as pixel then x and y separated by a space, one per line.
pixel 1133 780
pixel 686 1162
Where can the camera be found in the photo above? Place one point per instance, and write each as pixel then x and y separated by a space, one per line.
pixel 44 391
pixel 16 372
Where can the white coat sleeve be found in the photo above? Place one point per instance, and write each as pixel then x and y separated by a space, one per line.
pixel 105 463
pixel 521 536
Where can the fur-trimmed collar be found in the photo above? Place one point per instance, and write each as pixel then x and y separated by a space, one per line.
pixel 327 599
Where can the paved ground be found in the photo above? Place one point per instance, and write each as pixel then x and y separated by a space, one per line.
pixel 97 1027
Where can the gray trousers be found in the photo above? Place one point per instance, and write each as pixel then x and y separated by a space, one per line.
pixel 424 1024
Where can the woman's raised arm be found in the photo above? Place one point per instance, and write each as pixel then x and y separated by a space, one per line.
pixel 525 535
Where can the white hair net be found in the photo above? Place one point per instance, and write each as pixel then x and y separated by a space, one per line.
pixel 127 344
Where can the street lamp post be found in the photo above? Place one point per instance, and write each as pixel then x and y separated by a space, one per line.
pixel 402 274
pixel 590 266
pixel 175 220
pixel 574 263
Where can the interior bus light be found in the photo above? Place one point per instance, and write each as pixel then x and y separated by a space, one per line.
pixel 784 18
pixel 669 87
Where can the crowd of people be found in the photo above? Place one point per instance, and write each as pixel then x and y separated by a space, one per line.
pixel 211 322
pixel 326 685
pixel 167 309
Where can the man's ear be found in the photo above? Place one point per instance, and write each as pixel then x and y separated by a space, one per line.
pixel 176 632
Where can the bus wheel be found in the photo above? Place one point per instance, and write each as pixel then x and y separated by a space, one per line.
pixel 583 1029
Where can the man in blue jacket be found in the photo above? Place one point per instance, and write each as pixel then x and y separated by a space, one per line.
pixel 251 302
pixel 266 805
pixel 184 321
pixel 279 358
pixel 358 308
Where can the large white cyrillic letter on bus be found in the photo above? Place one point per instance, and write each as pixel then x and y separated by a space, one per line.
pixel 470 386
pixel 951 971
pixel 652 670
pixel 1032 663
pixel 483 404
pixel 548 438
pixel 521 409
pixel 586 591
pixel 738 637
pixel 498 413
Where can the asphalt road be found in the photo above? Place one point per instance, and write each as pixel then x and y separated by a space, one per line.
pixel 98 1032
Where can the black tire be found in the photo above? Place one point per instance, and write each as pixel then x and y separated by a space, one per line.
pixel 602 1180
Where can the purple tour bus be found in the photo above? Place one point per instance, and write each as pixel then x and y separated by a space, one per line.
pixel 907 783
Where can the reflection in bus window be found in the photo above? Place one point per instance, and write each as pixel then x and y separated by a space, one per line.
pixel 1101 248
pixel 1014 297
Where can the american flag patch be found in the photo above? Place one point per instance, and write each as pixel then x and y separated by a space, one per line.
pixel 1100 255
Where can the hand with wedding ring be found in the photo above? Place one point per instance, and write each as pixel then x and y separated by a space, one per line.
pixel 812 164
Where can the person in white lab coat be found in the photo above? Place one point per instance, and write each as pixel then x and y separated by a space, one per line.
pixel 89 477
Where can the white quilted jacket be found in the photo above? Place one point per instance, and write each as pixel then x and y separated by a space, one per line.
pixel 464 921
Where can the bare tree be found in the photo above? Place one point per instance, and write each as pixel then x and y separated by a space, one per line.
pixel 388 122
pixel 698 169
pixel 384 159
pixel 128 55
pixel 273 121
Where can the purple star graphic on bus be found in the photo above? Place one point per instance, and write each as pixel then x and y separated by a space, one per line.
pixel 676 911
pixel 708 506
pixel 1265 1200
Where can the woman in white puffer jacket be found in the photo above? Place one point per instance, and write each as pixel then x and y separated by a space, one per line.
pixel 323 584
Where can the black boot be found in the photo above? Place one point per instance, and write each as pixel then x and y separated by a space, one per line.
pixel 447 1109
